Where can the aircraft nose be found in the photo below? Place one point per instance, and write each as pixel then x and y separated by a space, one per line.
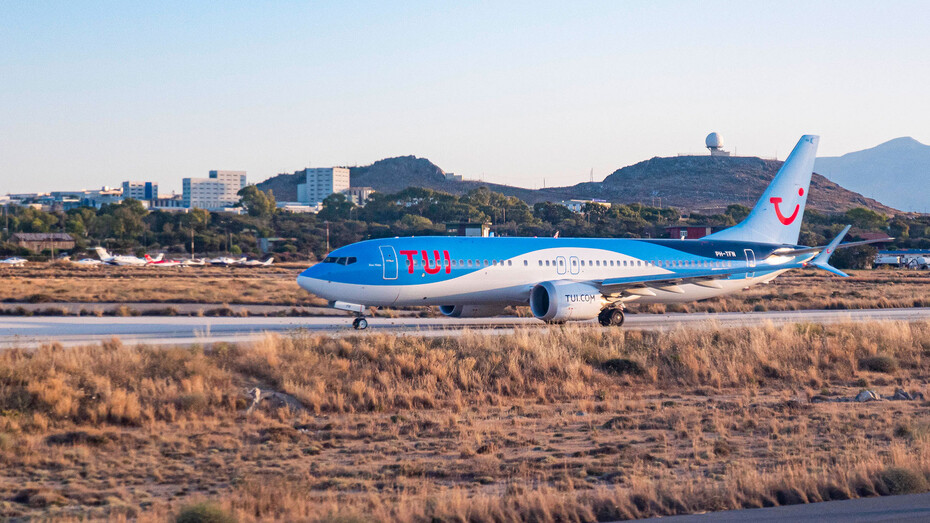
pixel 312 280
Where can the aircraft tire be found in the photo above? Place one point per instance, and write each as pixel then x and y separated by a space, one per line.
pixel 616 317
pixel 604 317
pixel 360 324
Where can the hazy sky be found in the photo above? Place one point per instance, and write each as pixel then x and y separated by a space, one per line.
pixel 93 93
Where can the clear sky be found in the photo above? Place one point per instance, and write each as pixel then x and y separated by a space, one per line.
pixel 93 93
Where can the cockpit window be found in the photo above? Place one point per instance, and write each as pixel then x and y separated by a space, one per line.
pixel 342 260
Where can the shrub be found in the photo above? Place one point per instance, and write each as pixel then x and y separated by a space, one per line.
pixel 623 366
pixel 204 513
pixel 885 364
pixel 903 481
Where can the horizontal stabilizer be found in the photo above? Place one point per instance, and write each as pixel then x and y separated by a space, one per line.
pixel 821 261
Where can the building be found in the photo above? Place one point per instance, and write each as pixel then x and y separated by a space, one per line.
pixel 140 190
pixel 219 191
pixel 714 144
pixel 452 177
pixel 358 195
pixel 578 205
pixel 690 232
pixel 469 229
pixel 40 241
pixel 171 203
pixel 320 182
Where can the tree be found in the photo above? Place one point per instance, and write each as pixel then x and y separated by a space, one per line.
pixel 256 202
pixel 336 206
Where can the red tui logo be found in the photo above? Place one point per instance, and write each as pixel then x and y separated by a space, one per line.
pixel 786 220
pixel 426 261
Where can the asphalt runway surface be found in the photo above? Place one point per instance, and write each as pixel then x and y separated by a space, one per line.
pixel 32 331
pixel 912 507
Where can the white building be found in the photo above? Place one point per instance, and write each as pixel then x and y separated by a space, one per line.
pixel 219 191
pixel 358 195
pixel 140 190
pixel 578 205
pixel 320 182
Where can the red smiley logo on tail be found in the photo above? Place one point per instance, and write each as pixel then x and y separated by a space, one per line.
pixel 786 220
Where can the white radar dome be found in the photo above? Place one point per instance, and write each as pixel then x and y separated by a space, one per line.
pixel 713 141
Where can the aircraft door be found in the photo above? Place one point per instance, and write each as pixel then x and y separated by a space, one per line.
pixel 750 261
pixel 573 265
pixel 560 264
pixel 389 262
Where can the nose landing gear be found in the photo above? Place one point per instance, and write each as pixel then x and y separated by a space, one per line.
pixel 359 323
pixel 611 316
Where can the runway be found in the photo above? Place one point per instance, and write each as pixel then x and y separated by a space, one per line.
pixel 72 330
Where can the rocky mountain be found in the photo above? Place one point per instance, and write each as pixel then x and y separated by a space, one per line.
pixel 692 183
pixel 896 172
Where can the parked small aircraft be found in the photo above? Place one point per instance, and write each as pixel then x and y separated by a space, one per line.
pixel 122 260
pixel 89 262
pixel 13 262
pixel 258 263
pixel 225 261
pixel 160 262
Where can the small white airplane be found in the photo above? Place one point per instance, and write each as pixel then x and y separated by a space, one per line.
pixel 226 261
pixel 159 262
pixel 193 262
pixel 89 262
pixel 122 260
pixel 258 263
pixel 14 262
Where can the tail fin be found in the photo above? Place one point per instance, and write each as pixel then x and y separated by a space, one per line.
pixel 777 216
pixel 102 253
pixel 148 258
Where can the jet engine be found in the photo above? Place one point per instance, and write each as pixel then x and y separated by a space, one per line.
pixel 560 301
pixel 471 311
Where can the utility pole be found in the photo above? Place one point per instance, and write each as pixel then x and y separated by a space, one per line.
pixel 327 235
pixel 192 243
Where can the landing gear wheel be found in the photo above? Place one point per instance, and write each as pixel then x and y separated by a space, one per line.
pixel 359 324
pixel 604 318
pixel 616 317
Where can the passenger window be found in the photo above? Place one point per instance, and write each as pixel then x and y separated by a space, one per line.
pixel 611 263
pixel 547 263
pixel 526 262
pixel 582 263
pixel 561 263
pixel 540 263
pixel 461 263
pixel 469 263
pixel 509 263
pixel 485 263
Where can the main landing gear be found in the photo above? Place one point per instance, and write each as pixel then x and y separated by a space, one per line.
pixel 611 316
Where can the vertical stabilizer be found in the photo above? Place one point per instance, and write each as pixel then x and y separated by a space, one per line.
pixel 777 216
pixel 102 253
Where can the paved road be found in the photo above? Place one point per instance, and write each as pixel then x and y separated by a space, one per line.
pixel 913 507
pixel 70 330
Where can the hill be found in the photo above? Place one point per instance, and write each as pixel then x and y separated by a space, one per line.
pixel 692 183
pixel 896 172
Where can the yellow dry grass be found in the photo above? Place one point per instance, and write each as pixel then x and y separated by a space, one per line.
pixel 575 423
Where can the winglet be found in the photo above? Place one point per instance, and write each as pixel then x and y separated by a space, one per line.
pixel 821 261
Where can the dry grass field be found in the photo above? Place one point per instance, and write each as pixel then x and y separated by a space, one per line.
pixel 555 424
pixel 44 283
pixel 50 283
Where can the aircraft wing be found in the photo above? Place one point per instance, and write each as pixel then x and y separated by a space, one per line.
pixel 808 250
pixel 669 282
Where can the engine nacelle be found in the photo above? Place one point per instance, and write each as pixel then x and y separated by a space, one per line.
pixel 471 311
pixel 558 301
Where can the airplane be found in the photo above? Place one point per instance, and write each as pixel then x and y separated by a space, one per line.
pixel 578 279
pixel 159 262
pixel 258 263
pixel 88 262
pixel 190 262
pixel 14 262
pixel 226 261
pixel 122 260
